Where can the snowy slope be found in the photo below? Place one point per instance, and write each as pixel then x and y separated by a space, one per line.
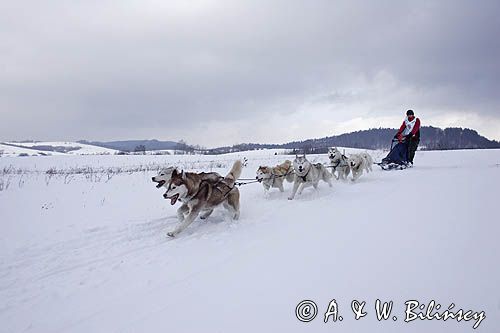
pixel 92 256
pixel 7 150
pixel 84 149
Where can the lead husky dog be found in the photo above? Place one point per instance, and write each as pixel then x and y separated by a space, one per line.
pixel 339 164
pixel 275 176
pixel 307 174
pixel 202 196
pixel 163 177
pixel 358 163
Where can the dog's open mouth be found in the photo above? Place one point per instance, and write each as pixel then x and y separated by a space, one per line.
pixel 160 183
pixel 173 199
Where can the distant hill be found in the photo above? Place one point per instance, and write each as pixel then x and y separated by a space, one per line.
pixel 132 145
pixel 432 138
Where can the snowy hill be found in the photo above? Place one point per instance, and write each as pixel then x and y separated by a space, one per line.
pixel 88 252
pixel 9 150
pixel 130 145
pixel 55 148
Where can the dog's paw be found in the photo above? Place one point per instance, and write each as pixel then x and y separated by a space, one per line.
pixel 170 234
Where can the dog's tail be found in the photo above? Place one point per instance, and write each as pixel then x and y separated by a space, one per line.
pixel 235 172
pixel 368 158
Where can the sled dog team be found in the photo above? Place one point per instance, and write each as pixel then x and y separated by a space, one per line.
pixel 200 193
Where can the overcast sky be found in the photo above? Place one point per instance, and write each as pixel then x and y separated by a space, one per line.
pixel 224 72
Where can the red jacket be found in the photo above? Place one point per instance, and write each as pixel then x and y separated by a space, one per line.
pixel 414 132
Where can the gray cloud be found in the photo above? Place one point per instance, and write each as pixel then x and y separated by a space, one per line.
pixel 221 72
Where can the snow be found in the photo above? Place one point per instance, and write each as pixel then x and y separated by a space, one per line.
pixel 89 254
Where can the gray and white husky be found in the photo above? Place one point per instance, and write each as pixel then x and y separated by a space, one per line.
pixel 359 163
pixel 339 163
pixel 308 174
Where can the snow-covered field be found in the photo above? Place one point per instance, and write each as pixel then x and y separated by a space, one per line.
pixel 89 253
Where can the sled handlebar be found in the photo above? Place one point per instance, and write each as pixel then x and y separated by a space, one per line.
pixel 394 140
pixel 397 140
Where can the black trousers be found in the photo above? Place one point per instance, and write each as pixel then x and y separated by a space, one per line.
pixel 412 148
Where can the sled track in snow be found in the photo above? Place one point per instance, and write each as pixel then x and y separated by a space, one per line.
pixel 28 267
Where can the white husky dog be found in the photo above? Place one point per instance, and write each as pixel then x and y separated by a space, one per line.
pixel 339 164
pixel 165 175
pixel 307 174
pixel 359 163
pixel 275 176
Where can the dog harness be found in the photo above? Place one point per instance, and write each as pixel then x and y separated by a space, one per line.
pixel 342 162
pixel 274 176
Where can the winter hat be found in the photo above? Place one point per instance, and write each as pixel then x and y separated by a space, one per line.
pixel 410 113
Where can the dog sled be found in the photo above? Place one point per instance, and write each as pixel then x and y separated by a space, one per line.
pixel 397 158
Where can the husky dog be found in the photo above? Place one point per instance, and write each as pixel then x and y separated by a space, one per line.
pixel 339 164
pixel 202 196
pixel 164 176
pixel 358 163
pixel 307 174
pixel 275 176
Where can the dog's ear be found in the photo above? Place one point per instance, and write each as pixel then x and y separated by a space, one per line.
pixel 183 175
pixel 174 173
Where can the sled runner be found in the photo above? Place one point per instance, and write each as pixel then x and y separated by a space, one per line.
pixel 397 159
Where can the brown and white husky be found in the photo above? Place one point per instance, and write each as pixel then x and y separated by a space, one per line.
pixel 199 195
pixel 275 176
